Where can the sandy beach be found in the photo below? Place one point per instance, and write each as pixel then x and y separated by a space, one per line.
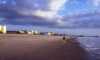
pixel 39 47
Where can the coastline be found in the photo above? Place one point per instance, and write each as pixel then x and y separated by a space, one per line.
pixel 39 47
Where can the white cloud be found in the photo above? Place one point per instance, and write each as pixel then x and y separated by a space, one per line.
pixel 52 16
pixel 1 19
pixel 4 2
pixel 61 22
pixel 45 14
pixel 36 5
pixel 70 13
pixel 53 5
pixel 74 2
pixel 84 11
pixel 96 2
pixel 57 4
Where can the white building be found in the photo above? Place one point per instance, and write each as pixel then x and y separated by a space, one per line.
pixel 3 29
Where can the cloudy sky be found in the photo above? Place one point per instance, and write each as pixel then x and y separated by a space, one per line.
pixel 51 13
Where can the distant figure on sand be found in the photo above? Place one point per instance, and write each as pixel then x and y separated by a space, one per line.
pixel 64 39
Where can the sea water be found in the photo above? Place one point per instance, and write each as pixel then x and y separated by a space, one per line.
pixel 92 46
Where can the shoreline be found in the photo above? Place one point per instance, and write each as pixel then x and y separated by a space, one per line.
pixel 36 47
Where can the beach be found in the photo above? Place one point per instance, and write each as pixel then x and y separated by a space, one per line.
pixel 39 47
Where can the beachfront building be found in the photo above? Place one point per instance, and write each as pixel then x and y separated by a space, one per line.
pixel 22 32
pixel 32 32
pixel 3 29
pixel 49 34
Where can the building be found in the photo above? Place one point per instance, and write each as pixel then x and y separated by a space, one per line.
pixel 49 34
pixel 32 32
pixel 3 29
pixel 22 32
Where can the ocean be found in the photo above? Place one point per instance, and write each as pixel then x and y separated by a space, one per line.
pixel 92 46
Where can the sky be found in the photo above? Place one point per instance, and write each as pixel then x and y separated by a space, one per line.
pixel 60 14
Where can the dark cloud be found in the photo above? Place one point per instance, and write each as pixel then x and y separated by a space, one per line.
pixel 12 15
pixel 20 13
pixel 87 20
pixel 14 18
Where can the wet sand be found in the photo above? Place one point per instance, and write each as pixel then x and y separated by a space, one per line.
pixel 38 47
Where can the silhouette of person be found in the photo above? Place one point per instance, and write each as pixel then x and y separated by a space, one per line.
pixel 64 38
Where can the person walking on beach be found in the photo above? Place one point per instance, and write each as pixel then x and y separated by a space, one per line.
pixel 64 39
